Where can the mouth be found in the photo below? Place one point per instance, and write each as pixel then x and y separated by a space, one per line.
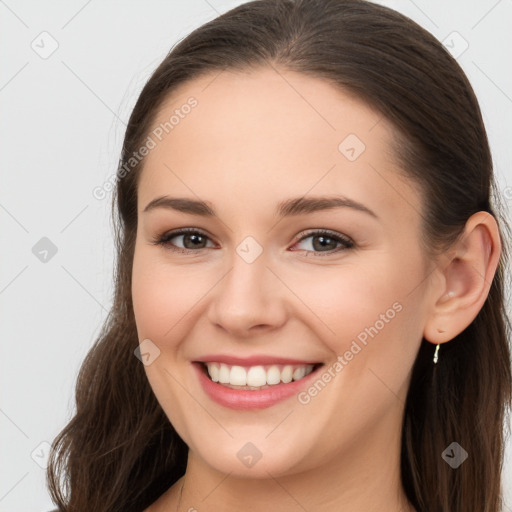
pixel 246 385
pixel 257 377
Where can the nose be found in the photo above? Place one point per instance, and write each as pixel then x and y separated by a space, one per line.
pixel 250 299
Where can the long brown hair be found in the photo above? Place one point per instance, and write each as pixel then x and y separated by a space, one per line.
pixel 120 453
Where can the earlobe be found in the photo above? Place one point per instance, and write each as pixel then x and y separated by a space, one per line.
pixel 466 278
pixel 435 329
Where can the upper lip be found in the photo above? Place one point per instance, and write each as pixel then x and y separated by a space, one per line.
pixel 254 360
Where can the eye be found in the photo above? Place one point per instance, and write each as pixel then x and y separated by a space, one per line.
pixel 192 240
pixel 324 241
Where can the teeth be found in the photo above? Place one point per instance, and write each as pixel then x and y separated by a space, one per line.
pixel 223 374
pixel 287 374
pixel 273 375
pixel 255 377
pixel 213 370
pixel 238 376
pixel 299 373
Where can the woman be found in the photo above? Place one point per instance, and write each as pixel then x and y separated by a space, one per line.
pixel 309 307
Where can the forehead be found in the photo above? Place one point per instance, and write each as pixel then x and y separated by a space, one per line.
pixel 265 135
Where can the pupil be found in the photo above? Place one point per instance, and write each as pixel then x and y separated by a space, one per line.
pixel 197 238
pixel 323 240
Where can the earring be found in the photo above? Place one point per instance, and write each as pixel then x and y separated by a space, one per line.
pixel 436 356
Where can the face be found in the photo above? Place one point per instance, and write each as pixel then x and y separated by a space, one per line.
pixel 268 285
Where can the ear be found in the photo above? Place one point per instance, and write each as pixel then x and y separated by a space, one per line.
pixel 465 275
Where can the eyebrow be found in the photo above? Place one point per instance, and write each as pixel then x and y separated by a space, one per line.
pixel 286 208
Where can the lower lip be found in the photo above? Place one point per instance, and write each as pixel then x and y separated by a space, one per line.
pixel 247 399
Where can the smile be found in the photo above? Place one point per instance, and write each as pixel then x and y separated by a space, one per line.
pixel 255 386
pixel 256 377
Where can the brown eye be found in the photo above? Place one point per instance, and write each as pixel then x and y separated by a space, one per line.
pixel 191 240
pixel 326 242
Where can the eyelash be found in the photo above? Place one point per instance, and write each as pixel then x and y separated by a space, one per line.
pixel 164 238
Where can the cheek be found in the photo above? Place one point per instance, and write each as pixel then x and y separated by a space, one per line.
pixel 372 324
pixel 161 296
pixel 359 301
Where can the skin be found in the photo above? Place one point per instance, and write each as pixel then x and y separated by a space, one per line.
pixel 257 138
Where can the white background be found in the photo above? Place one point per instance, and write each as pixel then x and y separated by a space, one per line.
pixel 63 119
